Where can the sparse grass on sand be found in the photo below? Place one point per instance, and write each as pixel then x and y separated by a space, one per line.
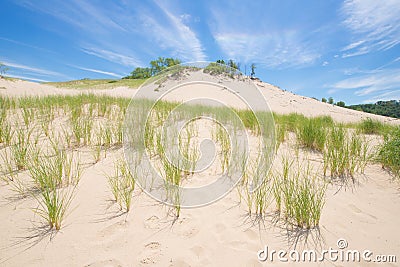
pixel 98 83
pixel 42 137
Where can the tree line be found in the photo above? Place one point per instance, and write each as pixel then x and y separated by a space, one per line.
pixel 161 63
pixel 389 108
pixel 156 66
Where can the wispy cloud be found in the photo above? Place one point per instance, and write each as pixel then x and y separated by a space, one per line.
pixel 375 25
pixel 283 49
pixel 112 56
pixel 390 95
pixel 27 78
pixel 380 83
pixel 25 44
pixel 99 71
pixel 78 13
pixel 32 69
pixel 174 35
pixel 271 46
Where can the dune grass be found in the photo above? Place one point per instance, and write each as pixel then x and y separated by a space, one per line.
pixel 345 153
pixel 312 134
pixel 389 152
pixel 122 184
pixel 370 126
pixel 299 194
pixel 63 126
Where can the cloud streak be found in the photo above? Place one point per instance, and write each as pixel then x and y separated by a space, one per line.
pixel 174 35
pixel 281 50
pixel 378 85
pixel 99 71
pixel 32 69
pixel 112 56
pixel 27 78
pixel 375 25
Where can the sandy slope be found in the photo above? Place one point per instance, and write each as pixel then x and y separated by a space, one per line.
pixel 96 234
pixel 280 101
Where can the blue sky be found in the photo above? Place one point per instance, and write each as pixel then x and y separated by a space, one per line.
pixel 348 50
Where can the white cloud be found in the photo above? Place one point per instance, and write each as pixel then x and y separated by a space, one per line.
pixel 375 25
pixel 112 56
pixel 262 43
pixel 175 35
pixel 376 83
pixel 78 13
pixel 27 78
pixel 283 49
pixel 32 69
pixel 99 71
pixel 391 95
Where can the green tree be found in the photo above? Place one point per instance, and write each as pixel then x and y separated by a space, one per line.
pixel 341 104
pixel 253 70
pixel 330 100
pixel 161 63
pixel 323 100
pixel 140 73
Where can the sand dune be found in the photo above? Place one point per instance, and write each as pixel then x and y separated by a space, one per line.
pixel 280 101
pixel 365 213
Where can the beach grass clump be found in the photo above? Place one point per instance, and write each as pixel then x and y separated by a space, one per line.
pixel 54 202
pixel 173 178
pixel 312 134
pixel 221 136
pixel 261 196
pixel 345 153
pixel 122 184
pixel 6 133
pixel 389 152
pixel 56 179
pixel 21 147
pixel 291 121
pixel 58 169
pixel 299 195
pixel 370 126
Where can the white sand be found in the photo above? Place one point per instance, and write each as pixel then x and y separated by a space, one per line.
pixel 364 213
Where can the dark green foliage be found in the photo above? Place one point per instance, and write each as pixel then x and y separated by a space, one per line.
pixel 156 66
pixel 162 63
pixel 330 100
pixel 386 108
pixel 324 100
pixel 341 104
pixel 140 73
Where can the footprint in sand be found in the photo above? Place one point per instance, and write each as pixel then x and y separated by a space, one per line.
pixel 147 260
pixel 151 254
pixel 113 228
pixel 153 245
pixel 186 231
pixel 358 211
